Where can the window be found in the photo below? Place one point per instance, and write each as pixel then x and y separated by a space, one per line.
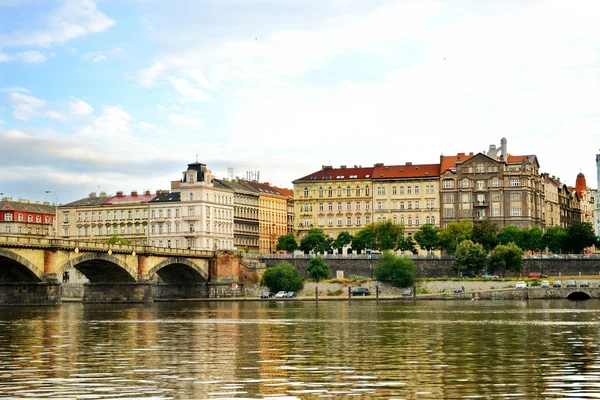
pixel 79 217
pixel 448 198
pixel 464 183
pixel 358 206
pixel 496 196
pixel 448 212
pixel 480 185
pixel 379 205
pixel 402 205
pixel 320 192
pixel 20 217
pixel 330 206
pixel 433 220
pixel 402 220
pixel 515 182
pixel 339 206
pixel 515 212
pixel 348 191
pixel 401 189
pixel 428 220
pixel 410 205
pixel 330 192
pixel 408 189
pixel 348 221
pixel 417 190
pixel 47 220
pixel 191 228
pixel 329 221
pixel 448 184
pixel 358 220
pixel 393 189
pixel 480 168
pixel 305 192
pixel 339 191
pixel 409 221
pixel 367 220
pixel 429 204
pixel 8 217
pixel 496 212
pixel 321 207
pixel 417 220
pixel 466 197
pixel 495 182
pixel 358 191
pixel 321 222
pixel 394 204
pixel 38 219
pixel 367 205
pixel 367 191
pixel 515 196
pixel 348 206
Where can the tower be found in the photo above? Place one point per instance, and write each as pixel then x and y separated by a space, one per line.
pixel 597 198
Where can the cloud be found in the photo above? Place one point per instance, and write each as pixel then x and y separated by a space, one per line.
pixel 25 106
pixel 188 91
pixel 31 57
pixel 185 121
pixel 73 19
pixel 56 115
pixel 146 126
pixel 113 125
pixel 79 108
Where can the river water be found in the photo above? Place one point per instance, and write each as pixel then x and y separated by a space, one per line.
pixel 297 350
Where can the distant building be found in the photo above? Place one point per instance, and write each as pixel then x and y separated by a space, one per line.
pixel 23 217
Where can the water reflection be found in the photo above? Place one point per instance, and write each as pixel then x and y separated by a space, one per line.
pixel 545 349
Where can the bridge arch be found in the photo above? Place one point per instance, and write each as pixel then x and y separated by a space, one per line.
pixel 14 268
pixel 101 268
pixel 179 270
pixel 578 296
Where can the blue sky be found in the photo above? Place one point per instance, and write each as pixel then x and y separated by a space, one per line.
pixel 121 95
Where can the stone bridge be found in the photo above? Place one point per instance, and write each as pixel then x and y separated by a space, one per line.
pixel 30 267
pixel 531 293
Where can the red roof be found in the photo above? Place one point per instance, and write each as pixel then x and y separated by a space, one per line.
pixel 328 173
pixel 516 159
pixel 284 191
pixel 449 162
pixel 140 198
pixel 406 171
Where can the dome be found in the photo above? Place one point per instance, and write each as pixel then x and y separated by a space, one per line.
pixel 580 184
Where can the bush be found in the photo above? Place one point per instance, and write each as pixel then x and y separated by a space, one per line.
pixel 283 276
pixel 400 271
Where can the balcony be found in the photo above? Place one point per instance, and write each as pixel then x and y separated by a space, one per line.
pixel 191 217
pixel 481 203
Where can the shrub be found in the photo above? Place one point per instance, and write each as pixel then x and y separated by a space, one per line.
pixel 283 276
pixel 400 271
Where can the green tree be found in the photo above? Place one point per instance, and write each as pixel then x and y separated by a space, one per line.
pixel 470 257
pixel 286 243
pixel 486 234
pixel 343 239
pixel 314 241
pixel 554 239
pixel 400 271
pixel 387 235
pixel 283 276
pixel 506 257
pixel 531 239
pixel 364 239
pixel 428 237
pixel 318 270
pixel 406 244
pixel 115 239
pixel 455 233
pixel 510 233
pixel 580 235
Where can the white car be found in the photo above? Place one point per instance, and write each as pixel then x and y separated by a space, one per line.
pixel 520 284
pixel 545 284
pixel 280 294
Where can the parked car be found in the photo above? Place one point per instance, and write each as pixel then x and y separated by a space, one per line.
pixel 406 292
pixel 571 283
pixel 520 284
pixel 545 284
pixel 584 284
pixel 557 284
pixel 361 291
pixel 459 289
pixel 489 276
pixel 280 294
pixel 265 295
pixel 290 294
pixel 466 275
pixel 536 275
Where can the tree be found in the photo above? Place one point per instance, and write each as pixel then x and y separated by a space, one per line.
pixel 470 257
pixel 314 241
pixel 531 239
pixel 387 235
pixel 364 239
pixel 506 257
pixel 510 233
pixel 343 239
pixel 486 234
pixel 455 233
pixel 579 236
pixel 400 271
pixel 283 276
pixel 554 239
pixel 286 243
pixel 318 270
pixel 428 237
pixel 115 239
pixel 406 244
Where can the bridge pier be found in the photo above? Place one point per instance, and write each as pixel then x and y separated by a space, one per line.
pixel 180 291
pixel 30 293
pixel 130 292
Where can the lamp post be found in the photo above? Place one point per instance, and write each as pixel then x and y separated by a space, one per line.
pixel 55 211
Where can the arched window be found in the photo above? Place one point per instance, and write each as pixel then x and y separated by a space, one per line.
pixel 433 220
pixel 339 190
pixel 402 220
pixel 395 220
pixel 427 220
pixel 358 191
pixel 417 220
pixel 191 196
pixel 367 191
pixel 330 191
pixel 320 192
pixel 305 192
pixel 409 221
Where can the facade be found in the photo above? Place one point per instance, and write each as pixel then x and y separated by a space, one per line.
pixel 551 186
pixel 245 214
pixel 201 219
pixel 597 198
pixel 272 215
pixel 407 194
pixel 334 200
pixel 586 199
pixel 503 188
pixel 568 203
pixel 98 217
pixel 289 194
pixel 23 217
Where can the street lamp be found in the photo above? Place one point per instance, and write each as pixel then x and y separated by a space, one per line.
pixel 55 211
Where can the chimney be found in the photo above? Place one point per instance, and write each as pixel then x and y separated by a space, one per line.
pixel 147 193
pixel 103 194
pixel 134 193
pixel 408 163
pixel 342 167
pixel 268 183
pixel 93 195
pixel 379 164
pixel 119 194
pixel 158 191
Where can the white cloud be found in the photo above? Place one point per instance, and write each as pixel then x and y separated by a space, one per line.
pixel 185 121
pixel 25 106
pixel 79 108
pixel 114 125
pixel 188 91
pixel 31 57
pixel 73 19
pixel 56 115
pixel 146 126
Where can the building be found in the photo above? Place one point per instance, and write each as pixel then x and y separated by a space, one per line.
pixel 23 217
pixel 498 186
pixel 246 232
pixel 551 186
pixel 407 194
pixel 289 193
pixel 272 214
pixel 334 200
pixel 586 199
pixel 99 217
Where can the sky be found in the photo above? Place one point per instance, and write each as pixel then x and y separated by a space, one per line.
pixel 120 95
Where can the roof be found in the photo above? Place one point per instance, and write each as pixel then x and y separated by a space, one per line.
pixel 262 188
pixel 89 201
pixel 285 191
pixel 406 171
pixel 166 197
pixel 9 205
pixel 130 198
pixel 328 173
pixel 237 186
pixel 449 162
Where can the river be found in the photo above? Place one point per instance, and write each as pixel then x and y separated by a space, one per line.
pixel 297 350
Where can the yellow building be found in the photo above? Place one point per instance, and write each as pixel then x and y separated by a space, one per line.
pixel 551 187
pixel 272 215
pixel 334 200
pixel 407 195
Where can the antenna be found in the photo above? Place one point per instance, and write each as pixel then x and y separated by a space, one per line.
pixel 231 173
pixel 196 157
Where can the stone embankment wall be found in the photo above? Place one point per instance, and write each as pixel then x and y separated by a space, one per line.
pixel 439 268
